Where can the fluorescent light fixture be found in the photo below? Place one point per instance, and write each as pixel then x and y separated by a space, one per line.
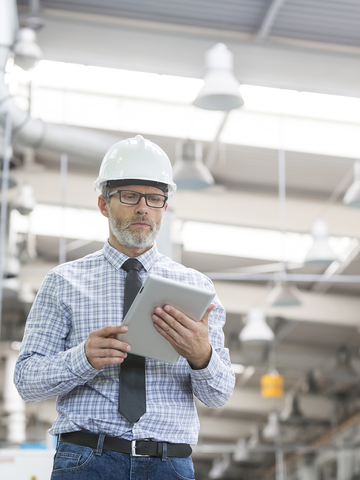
pixel 82 224
pixel 249 242
pixel 124 100
pixel 221 89
pixel 320 252
pixel 352 196
pixel 256 330
pixel 189 171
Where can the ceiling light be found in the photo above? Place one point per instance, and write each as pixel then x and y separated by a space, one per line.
pixel 241 453
pixel 352 196
pixel 254 439
pixel 189 171
pixel 284 295
pixel 221 89
pixel 219 466
pixel 320 253
pixel 27 51
pixel 25 202
pixel 272 428
pixel 256 329
pixel 343 371
pixel 291 412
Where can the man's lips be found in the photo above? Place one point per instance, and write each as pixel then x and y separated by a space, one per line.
pixel 140 224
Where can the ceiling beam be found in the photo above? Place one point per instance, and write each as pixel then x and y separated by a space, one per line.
pixel 328 309
pixel 269 19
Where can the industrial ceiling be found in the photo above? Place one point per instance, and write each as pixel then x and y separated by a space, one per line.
pixel 297 45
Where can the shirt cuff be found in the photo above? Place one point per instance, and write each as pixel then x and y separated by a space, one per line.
pixel 212 369
pixel 79 364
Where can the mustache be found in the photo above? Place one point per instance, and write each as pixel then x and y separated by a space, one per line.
pixel 139 218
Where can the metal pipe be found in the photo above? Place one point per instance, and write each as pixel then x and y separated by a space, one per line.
pixel 269 19
pixel 4 205
pixel 63 178
pixel 34 132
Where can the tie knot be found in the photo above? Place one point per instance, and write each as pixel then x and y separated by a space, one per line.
pixel 132 264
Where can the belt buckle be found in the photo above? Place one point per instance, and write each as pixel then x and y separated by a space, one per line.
pixel 133 449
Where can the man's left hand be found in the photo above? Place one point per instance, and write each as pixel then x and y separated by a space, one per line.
pixel 188 337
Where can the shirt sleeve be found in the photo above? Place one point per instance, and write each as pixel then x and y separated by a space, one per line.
pixel 45 367
pixel 214 384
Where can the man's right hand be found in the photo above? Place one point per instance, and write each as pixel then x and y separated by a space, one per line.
pixel 103 349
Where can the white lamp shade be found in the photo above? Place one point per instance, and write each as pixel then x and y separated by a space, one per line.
pixel 320 252
pixel 283 295
pixel 272 428
pixel 241 453
pixel 256 330
pixel 25 202
pixel 189 171
pixel 221 89
pixel 27 51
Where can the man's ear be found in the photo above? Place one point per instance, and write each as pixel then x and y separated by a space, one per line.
pixel 166 207
pixel 103 206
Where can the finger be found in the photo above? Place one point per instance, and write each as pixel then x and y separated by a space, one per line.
pixel 173 317
pixel 110 330
pixel 167 332
pixel 108 343
pixel 205 318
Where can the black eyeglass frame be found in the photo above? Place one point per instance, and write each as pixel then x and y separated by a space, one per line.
pixel 141 195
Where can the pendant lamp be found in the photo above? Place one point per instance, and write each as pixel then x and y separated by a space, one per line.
pixel 189 171
pixel 291 412
pixel 241 453
pixel 27 51
pixel 221 89
pixel 256 330
pixel 284 295
pixel 344 371
pixel 352 196
pixel 320 253
pixel 271 431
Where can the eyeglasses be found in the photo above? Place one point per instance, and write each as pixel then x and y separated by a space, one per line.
pixel 152 200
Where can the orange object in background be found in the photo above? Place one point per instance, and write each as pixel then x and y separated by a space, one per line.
pixel 272 385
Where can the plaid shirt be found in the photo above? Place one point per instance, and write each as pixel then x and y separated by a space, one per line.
pixel 87 294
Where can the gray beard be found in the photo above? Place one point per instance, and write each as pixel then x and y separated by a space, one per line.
pixel 139 238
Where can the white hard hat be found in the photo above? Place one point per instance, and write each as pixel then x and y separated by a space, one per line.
pixel 136 159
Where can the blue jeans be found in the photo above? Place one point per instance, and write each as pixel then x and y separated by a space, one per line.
pixel 74 462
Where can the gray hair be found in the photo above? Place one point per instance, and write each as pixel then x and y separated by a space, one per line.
pixel 105 192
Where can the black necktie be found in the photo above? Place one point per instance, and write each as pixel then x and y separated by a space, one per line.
pixel 132 397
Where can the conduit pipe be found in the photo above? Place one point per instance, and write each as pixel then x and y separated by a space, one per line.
pixel 34 132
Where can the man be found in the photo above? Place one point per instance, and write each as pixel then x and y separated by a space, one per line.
pixel 70 349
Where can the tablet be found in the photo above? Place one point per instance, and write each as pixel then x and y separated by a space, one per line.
pixel 157 292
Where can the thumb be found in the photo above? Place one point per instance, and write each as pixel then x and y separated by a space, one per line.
pixel 205 318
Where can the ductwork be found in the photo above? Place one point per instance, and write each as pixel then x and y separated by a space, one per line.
pixel 34 132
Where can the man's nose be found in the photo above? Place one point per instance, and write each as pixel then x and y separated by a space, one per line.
pixel 141 206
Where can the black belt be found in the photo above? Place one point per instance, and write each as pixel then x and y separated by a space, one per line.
pixel 138 448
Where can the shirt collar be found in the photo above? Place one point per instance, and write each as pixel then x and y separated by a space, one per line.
pixel 117 259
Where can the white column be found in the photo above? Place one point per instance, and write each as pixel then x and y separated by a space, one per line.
pixel 14 406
